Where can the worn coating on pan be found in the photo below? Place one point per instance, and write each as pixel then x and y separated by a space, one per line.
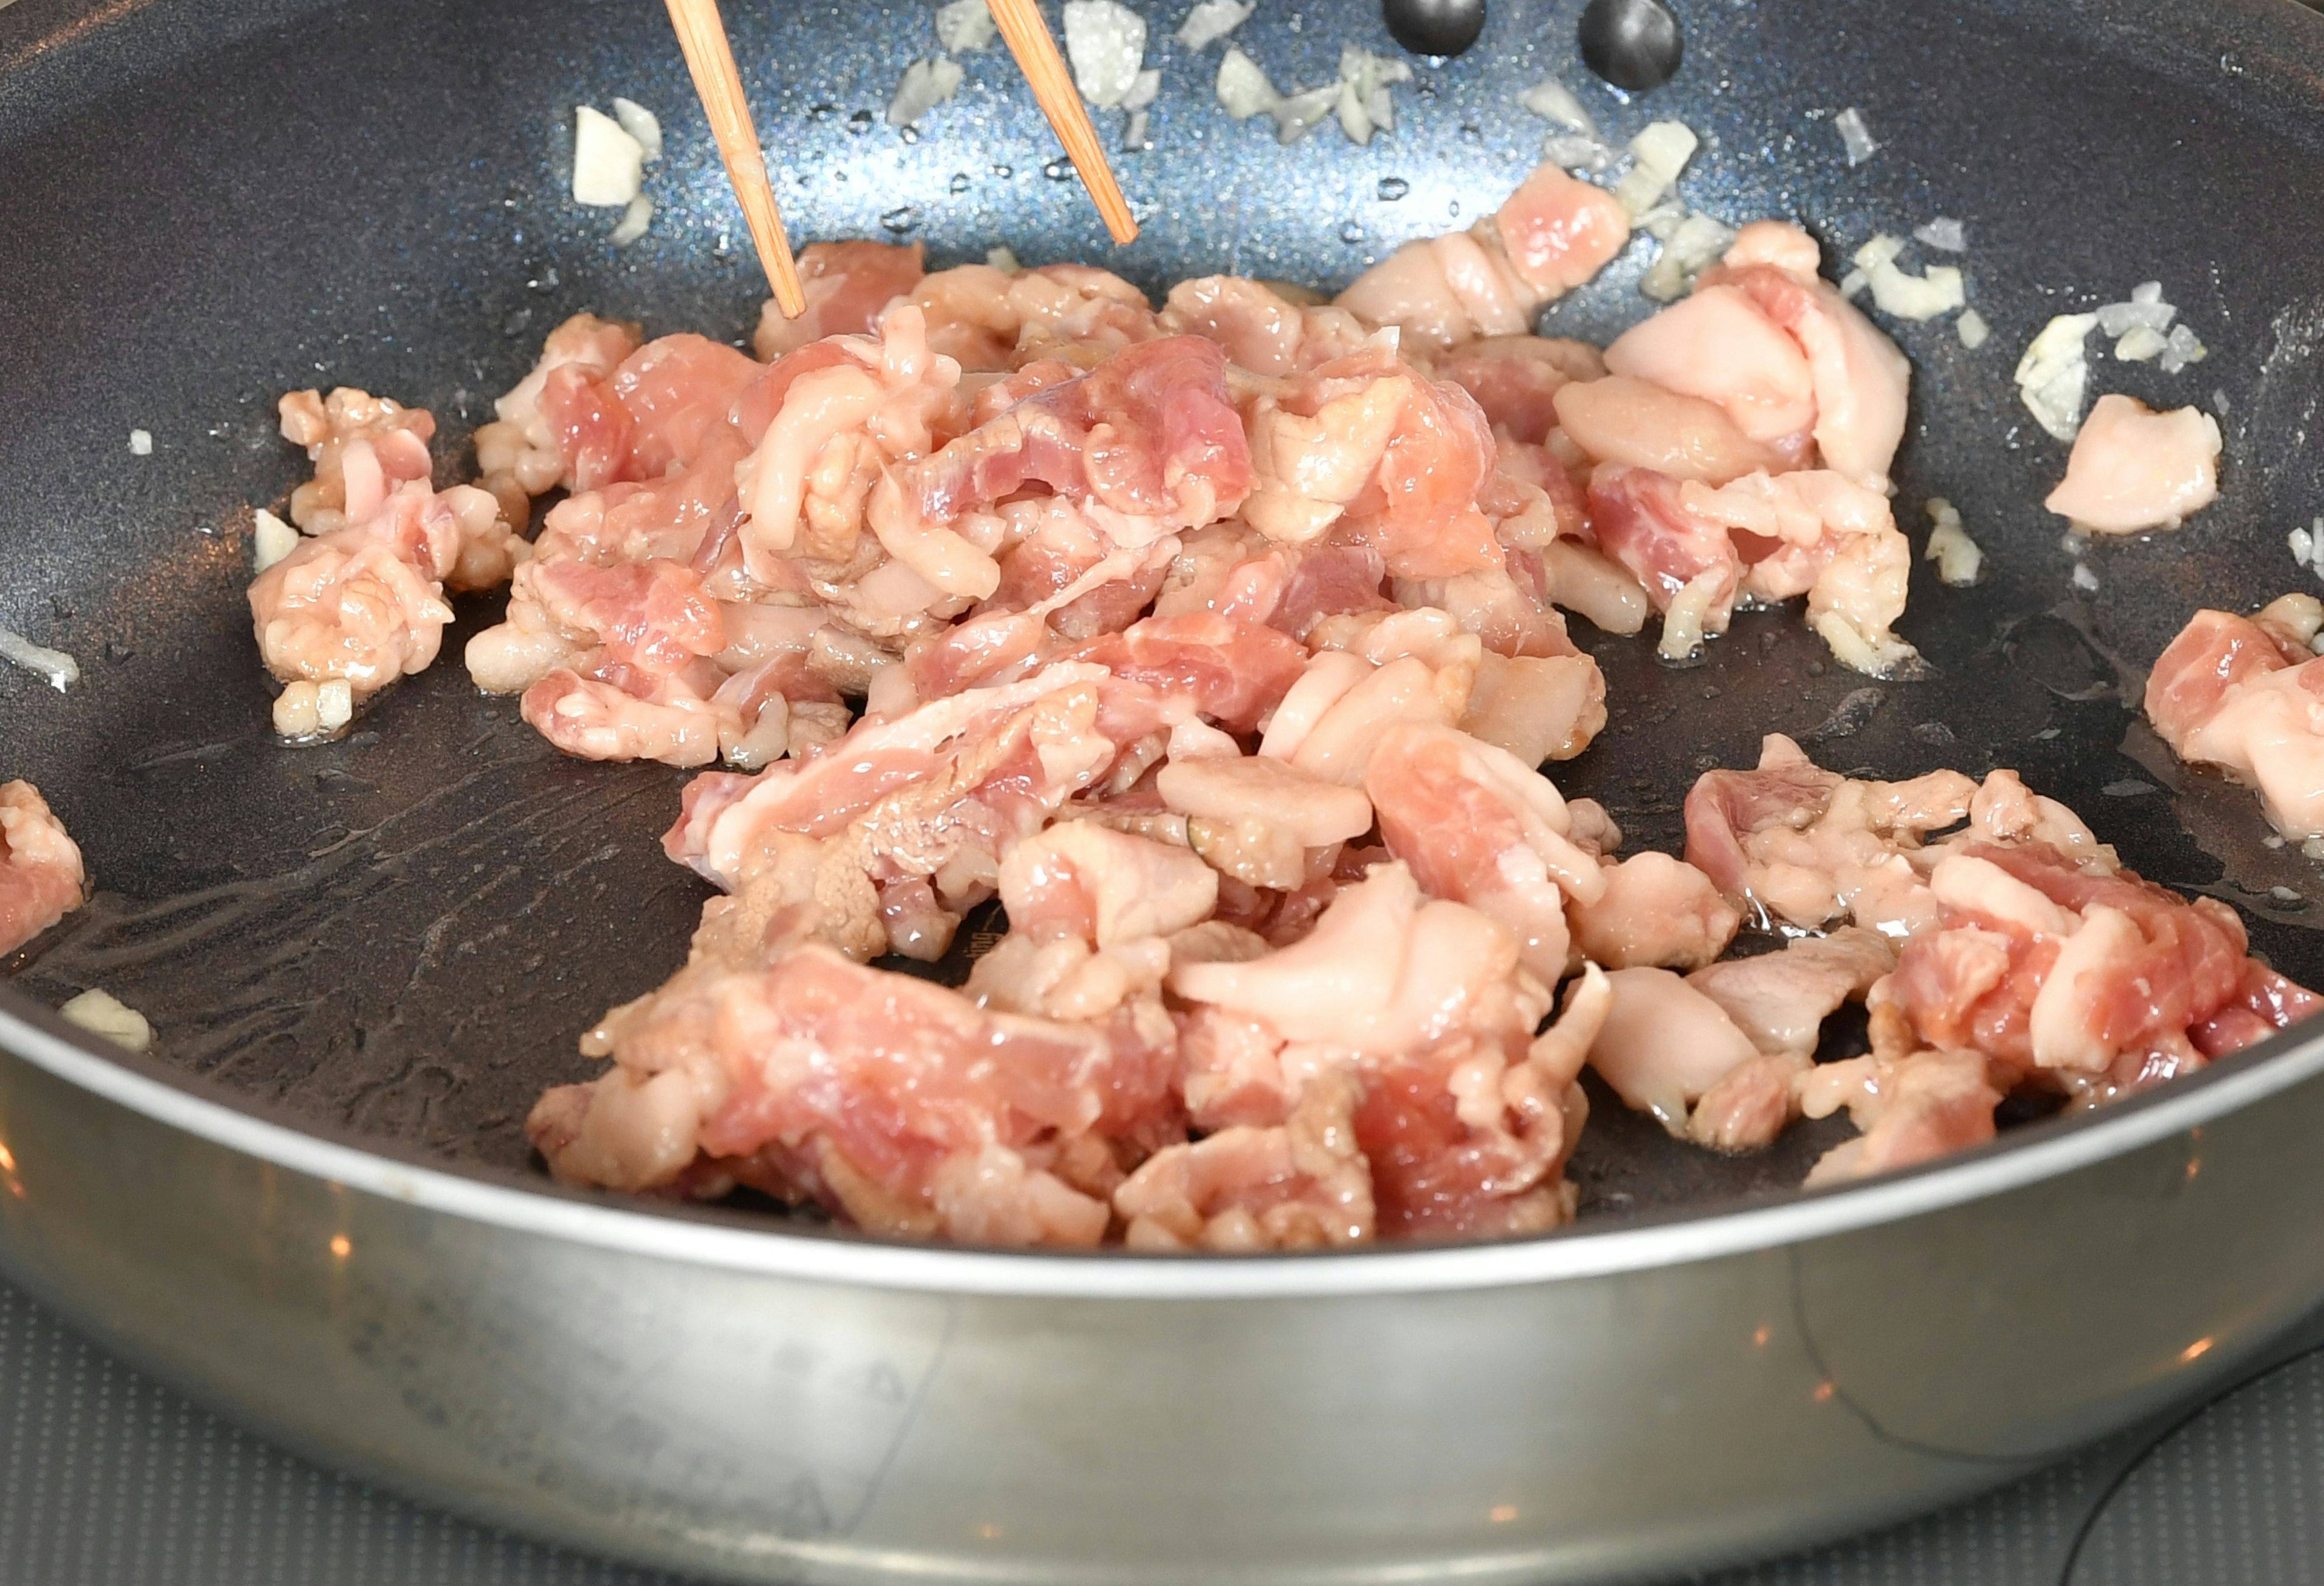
pixel 391 942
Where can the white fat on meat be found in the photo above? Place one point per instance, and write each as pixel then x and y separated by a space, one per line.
pixel 827 448
pixel 1620 419
pixel 1655 911
pixel 760 1076
pixel 1717 345
pixel 1664 1044
pixel 519 452
pixel 1912 1110
pixel 1804 847
pixel 1103 887
pixel 1835 541
pixel 2133 469
pixel 1553 234
pixel 1301 1184
pixel 2246 695
pixel 1481 827
pixel 1780 1000
pixel 1859 375
pixel 1536 707
pixel 1316 812
pixel 1385 970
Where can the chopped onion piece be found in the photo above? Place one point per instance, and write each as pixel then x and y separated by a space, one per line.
pixel 59 668
pixel 1881 250
pixel 1552 101
pixel 101 1013
pixel 633 221
pixel 2083 578
pixel 924 85
pixel 1363 103
pixel 1658 154
pixel 1916 297
pixel 1382 107
pixel 2117 319
pixel 1145 90
pixel 964 25
pixel 141 443
pixel 1694 244
pixel 1896 292
pixel 1296 113
pixel 2308 548
pixel 1354 120
pixel 1106 42
pixel 273 541
pixel 2139 344
pixel 1209 21
pixel 1580 152
pixel 2181 349
pixel 1854 135
pixel 608 163
pixel 1243 89
pixel 1003 260
pixel 2054 374
pixel 1959 560
pixel 1134 138
pixel 1973 329
pixel 2146 291
pixel 642 125
pixel 1853 282
pixel 1944 233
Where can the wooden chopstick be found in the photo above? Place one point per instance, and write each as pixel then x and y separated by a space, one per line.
pixel 702 34
pixel 1036 55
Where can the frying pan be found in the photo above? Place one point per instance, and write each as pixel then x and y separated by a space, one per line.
pixel 313 1206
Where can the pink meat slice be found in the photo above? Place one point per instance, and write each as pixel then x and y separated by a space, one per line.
pixel 1234 671
pixel 1149 433
pixel 846 285
pixel 678 392
pixel 40 875
pixel 2153 967
pixel 1641 522
pixel 894 1102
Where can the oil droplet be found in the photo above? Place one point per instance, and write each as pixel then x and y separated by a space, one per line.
pixel 1472 134
pixel 909 134
pixel 1058 170
pixel 1351 233
pixel 859 123
pixel 1392 187
pixel 823 113
pixel 959 183
pixel 1453 209
pixel 900 219
pixel 1004 171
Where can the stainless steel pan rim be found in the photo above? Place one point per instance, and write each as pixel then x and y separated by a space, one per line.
pixel 2042 1151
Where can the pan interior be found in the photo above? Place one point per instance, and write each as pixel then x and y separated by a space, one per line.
pixel 399 936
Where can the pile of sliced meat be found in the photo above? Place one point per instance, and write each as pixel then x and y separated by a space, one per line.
pixel 1220 643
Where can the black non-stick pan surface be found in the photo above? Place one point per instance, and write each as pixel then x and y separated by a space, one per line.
pixel 204 203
